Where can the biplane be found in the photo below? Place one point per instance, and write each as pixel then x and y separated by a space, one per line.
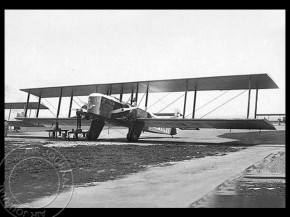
pixel 102 107
pixel 15 124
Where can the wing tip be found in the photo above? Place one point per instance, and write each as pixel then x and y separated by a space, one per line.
pixel 270 125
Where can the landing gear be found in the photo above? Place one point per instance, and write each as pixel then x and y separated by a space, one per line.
pixel 133 137
pixel 95 129
pixel 135 131
pixel 128 137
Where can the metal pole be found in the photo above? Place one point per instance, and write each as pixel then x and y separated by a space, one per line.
pixel 29 112
pixel 146 99
pixel 249 98
pixel 185 98
pixel 194 103
pixel 38 105
pixel 70 104
pixel 27 102
pixel 59 102
pixel 121 93
pixel 256 104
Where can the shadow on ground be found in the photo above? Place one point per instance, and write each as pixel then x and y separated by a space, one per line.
pixel 256 138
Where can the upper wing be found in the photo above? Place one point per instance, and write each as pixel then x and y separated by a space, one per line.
pixel 234 82
pixel 49 121
pixel 208 123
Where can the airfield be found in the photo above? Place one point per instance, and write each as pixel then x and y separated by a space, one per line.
pixel 195 168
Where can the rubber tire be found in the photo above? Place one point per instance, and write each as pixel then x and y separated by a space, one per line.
pixel 128 137
pixel 135 137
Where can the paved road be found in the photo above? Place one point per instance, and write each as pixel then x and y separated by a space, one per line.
pixel 178 185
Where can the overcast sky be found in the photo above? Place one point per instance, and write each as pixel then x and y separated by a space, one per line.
pixel 55 47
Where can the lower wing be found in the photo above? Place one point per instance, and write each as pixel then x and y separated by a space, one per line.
pixel 21 124
pixel 260 124
pixel 50 121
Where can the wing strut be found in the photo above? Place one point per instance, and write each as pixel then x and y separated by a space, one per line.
pixel 146 99
pixel 9 114
pixel 70 103
pixel 185 98
pixel 136 96
pixel 27 102
pixel 121 93
pixel 37 112
pixel 249 98
pixel 59 103
pixel 132 96
pixel 194 103
pixel 256 102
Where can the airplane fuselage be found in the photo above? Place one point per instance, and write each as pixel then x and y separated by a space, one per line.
pixel 108 108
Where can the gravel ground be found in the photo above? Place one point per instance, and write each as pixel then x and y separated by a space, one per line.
pixel 100 163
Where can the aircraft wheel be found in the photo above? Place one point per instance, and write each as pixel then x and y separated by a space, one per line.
pixel 88 136
pixel 129 137
pixel 132 137
pixel 135 137
pixel 75 136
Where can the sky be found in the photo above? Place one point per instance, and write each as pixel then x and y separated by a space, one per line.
pixel 46 48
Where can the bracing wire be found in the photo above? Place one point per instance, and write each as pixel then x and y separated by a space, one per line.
pixel 223 104
pixel 79 100
pixel 50 104
pixel 50 111
pixel 47 106
pixel 76 101
pixel 142 96
pixel 158 99
pixel 208 102
pixel 141 99
pixel 170 103
pixel 118 131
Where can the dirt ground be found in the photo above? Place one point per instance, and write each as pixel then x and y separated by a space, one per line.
pixel 35 179
pixel 103 162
